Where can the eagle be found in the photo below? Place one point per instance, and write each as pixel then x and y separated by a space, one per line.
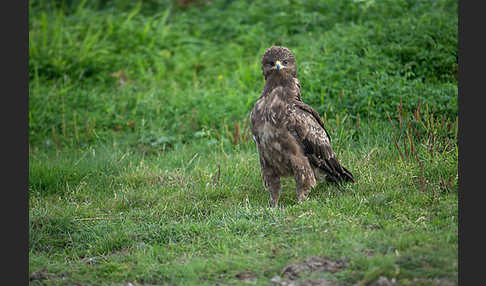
pixel 290 135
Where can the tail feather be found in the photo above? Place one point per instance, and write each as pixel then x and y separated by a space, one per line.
pixel 334 171
pixel 346 175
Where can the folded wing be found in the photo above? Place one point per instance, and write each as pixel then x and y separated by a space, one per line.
pixel 308 129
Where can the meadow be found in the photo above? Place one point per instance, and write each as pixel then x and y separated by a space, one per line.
pixel 142 170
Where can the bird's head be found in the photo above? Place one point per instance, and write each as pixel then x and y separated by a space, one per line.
pixel 278 61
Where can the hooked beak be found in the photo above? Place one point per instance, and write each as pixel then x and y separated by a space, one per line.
pixel 278 65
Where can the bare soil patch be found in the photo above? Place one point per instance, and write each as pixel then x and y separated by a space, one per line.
pixel 292 273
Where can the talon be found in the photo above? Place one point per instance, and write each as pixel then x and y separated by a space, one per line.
pixel 302 198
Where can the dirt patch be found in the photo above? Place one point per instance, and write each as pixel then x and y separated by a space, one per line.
pixel 306 282
pixel 39 275
pixel 54 278
pixel 382 281
pixel 312 264
pixel 246 276
pixel 433 282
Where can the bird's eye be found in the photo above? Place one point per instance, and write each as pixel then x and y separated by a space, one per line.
pixel 271 63
pixel 285 62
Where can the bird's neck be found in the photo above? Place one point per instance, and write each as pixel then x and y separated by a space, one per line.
pixel 286 81
pixel 280 79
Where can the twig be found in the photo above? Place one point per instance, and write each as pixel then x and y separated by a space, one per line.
pixel 412 145
pixel 398 148
pixel 215 130
pixel 93 218
pixel 369 154
pixel 400 113
pixel 55 139
pixel 218 175
pixel 236 137
pixel 417 112
pixel 246 129
pixel 422 179
pixel 405 146
pixel 391 122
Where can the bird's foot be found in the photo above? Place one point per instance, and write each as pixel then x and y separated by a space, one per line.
pixel 301 198
pixel 274 203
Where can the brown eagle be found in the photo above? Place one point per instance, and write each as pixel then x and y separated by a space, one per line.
pixel 289 134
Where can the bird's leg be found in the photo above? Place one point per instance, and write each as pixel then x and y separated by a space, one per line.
pixel 275 194
pixel 302 192
pixel 272 182
pixel 304 177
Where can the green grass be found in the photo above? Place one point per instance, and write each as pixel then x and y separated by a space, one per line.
pixel 354 59
pixel 110 215
pixel 142 168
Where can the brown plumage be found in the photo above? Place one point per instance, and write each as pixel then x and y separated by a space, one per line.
pixel 289 134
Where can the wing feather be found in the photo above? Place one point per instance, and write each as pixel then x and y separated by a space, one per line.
pixel 308 128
